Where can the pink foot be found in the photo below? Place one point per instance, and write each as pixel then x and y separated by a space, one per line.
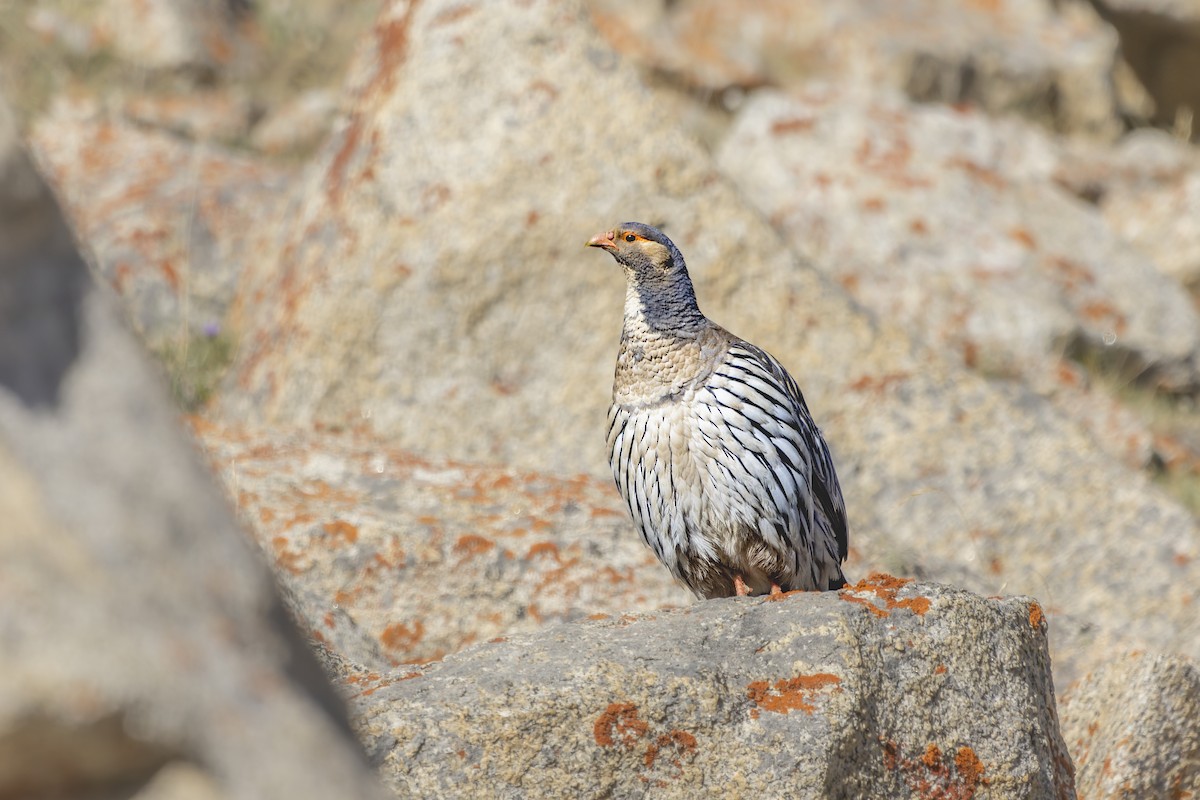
pixel 740 587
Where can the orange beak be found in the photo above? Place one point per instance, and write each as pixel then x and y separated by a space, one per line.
pixel 606 240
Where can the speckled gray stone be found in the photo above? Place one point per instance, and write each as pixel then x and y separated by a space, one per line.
pixel 143 643
pixel 395 558
pixel 431 282
pixel 1133 728
pixel 883 690
pixel 971 242
pixel 168 224
pixel 1050 62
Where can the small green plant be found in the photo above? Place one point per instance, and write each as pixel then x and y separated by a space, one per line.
pixel 1173 418
pixel 195 365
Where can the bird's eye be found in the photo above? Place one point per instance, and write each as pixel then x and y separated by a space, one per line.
pixel 629 237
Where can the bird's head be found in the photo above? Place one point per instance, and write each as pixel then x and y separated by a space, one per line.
pixel 643 250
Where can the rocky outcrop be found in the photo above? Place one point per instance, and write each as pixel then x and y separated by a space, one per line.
pixel 427 555
pixel 1054 63
pixel 971 241
pixel 886 689
pixel 169 224
pixel 1133 727
pixel 426 281
pixel 412 430
pixel 299 124
pixel 1158 211
pixel 144 645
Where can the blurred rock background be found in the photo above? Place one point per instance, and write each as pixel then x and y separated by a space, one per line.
pixel 350 235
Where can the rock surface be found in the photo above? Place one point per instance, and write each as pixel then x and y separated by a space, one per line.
pixel 424 282
pixel 1163 220
pixel 144 645
pixel 413 431
pixel 198 35
pixel 212 115
pixel 427 556
pixel 1050 62
pixel 1133 727
pixel 882 690
pixel 169 224
pixel 970 240
pixel 299 124
pixel 1145 187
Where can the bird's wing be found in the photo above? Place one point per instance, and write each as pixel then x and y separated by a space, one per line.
pixel 824 481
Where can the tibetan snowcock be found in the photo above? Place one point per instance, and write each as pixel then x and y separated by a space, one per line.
pixel 711 443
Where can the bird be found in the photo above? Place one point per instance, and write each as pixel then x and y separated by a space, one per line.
pixel 711 442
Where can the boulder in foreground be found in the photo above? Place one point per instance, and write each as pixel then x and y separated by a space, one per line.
pixel 885 689
pixel 1134 728
pixel 145 650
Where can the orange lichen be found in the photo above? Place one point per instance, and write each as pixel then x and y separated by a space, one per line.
pixel 436 655
pixel 969 765
pixel 874 609
pixel 888 158
pixel 793 125
pixel 340 529
pixel 335 175
pixel 932 775
pixel 891 755
pixel 1036 616
pixel 611 575
pixel 470 544
pixel 979 172
pixel 391 42
pixel 682 742
pixel 885 588
pixel 400 636
pixel 286 558
pixel 877 384
pixel 1070 273
pixel 1101 311
pixel 619 724
pixel 121 276
pixel 1024 237
pixel 379 681
pixel 320 490
pixel 970 355
pixel 790 694
pixel 543 549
